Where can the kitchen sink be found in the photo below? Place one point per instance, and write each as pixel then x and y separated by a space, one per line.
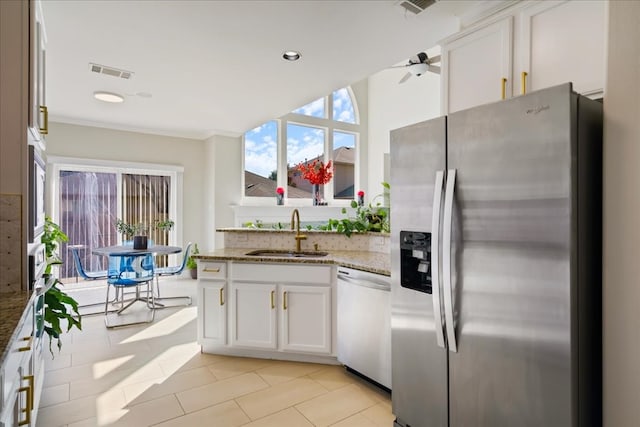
pixel 286 254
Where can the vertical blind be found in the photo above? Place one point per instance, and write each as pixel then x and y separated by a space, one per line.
pixel 89 211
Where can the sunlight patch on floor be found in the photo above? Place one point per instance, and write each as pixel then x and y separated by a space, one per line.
pixel 165 326
pixel 104 367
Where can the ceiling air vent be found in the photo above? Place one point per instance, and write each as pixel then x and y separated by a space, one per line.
pixel 110 71
pixel 416 6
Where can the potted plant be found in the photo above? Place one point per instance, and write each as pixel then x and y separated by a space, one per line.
pixel 139 232
pixel 57 304
pixel 192 265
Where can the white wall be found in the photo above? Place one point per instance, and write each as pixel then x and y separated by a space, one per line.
pixel 621 293
pixel 393 105
pixel 105 144
pixel 223 187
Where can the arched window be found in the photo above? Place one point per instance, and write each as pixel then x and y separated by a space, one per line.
pixel 325 129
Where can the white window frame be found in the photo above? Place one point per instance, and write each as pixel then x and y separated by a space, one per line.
pixel 119 168
pixel 329 125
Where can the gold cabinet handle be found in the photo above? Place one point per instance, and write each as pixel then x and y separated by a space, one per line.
pixel 504 88
pixel 273 302
pixel 523 82
pixel 27 410
pixel 284 301
pixel 211 270
pixel 28 346
pixel 45 111
pixel 31 380
pixel 221 296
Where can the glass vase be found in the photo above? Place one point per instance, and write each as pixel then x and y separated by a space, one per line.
pixel 280 199
pixel 315 194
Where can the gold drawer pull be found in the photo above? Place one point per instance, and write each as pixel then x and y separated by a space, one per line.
pixel 523 82
pixel 45 111
pixel 504 89
pixel 31 380
pixel 284 301
pixel 273 303
pixel 221 296
pixel 28 346
pixel 211 270
pixel 27 410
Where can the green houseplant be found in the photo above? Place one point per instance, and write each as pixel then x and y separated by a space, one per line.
pixel 192 265
pixel 139 231
pixel 373 217
pixel 58 306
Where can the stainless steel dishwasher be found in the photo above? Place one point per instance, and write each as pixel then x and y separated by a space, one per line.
pixel 364 324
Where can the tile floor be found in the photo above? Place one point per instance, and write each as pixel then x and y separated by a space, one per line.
pixel 155 375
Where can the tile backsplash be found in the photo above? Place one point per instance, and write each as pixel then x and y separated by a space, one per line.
pixel 11 235
pixel 284 239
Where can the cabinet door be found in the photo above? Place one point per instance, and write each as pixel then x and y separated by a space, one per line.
pixel 474 65
pixel 212 312
pixel 306 319
pixel 38 114
pixel 253 315
pixel 564 42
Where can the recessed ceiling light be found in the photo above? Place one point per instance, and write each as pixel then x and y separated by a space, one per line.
pixel 291 55
pixel 108 97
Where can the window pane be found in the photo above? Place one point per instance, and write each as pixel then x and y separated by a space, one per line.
pixel 343 110
pixel 261 160
pixel 313 109
pixel 344 156
pixel 88 210
pixel 304 144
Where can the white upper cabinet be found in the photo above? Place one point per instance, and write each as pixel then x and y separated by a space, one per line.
pixel 530 46
pixel 38 112
pixel 476 66
pixel 563 42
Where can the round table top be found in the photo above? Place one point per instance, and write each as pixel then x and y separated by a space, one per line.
pixel 128 250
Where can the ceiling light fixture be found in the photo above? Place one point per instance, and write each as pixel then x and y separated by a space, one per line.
pixel 291 55
pixel 108 97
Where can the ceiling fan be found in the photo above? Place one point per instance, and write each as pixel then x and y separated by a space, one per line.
pixel 418 65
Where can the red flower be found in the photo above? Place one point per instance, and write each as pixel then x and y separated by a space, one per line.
pixel 316 172
pixel 280 190
pixel 360 193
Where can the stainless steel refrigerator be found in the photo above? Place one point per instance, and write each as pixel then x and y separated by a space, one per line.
pixel 496 265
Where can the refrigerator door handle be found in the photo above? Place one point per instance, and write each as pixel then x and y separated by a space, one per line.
pixel 435 257
pixel 446 260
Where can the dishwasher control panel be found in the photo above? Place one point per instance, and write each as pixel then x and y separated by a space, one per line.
pixel 415 260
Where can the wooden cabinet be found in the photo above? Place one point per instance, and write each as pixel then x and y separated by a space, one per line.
pixel 563 41
pixel 530 46
pixel 253 315
pixel 306 319
pixel 477 66
pixel 274 310
pixel 23 372
pixel 212 303
pixel 38 120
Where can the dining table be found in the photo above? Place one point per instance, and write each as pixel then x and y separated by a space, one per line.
pixel 129 250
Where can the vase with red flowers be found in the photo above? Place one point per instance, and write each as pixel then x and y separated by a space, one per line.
pixel 317 173
pixel 360 198
pixel 280 196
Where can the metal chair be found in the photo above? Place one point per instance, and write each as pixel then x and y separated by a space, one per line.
pixel 174 270
pixel 130 271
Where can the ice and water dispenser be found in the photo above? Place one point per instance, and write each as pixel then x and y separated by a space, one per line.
pixel 415 260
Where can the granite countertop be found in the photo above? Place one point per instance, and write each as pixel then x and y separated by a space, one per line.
pixel 373 262
pixel 12 307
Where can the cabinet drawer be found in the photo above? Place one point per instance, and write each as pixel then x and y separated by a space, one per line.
pixel 212 269
pixel 20 349
pixel 279 273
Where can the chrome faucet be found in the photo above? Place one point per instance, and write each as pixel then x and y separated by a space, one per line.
pixel 295 214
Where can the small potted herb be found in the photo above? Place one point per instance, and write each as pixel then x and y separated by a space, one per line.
pixel 192 265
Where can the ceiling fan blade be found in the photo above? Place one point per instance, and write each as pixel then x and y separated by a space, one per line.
pixel 434 69
pixel 405 78
pixel 434 59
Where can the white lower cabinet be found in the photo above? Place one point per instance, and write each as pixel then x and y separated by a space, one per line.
pixel 253 315
pixel 306 319
pixel 212 312
pixel 275 310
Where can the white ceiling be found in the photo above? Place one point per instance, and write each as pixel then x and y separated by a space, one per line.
pixel 216 67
